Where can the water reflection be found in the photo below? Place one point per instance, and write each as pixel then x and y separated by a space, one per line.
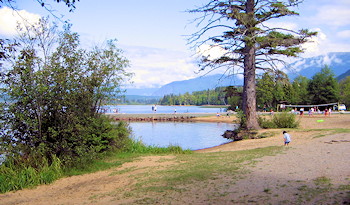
pixel 188 135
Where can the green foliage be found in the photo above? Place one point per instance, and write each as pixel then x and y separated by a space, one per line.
pixel 266 123
pixel 323 87
pixel 300 91
pixel 54 98
pixel 15 175
pixel 242 119
pixel 273 88
pixel 217 96
pixel 279 120
pixel 285 120
pixel 137 146
pixel 345 91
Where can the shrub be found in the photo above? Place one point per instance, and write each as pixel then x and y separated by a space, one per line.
pixel 266 123
pixel 242 119
pixel 279 120
pixel 285 120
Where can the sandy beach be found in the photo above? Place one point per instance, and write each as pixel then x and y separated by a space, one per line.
pixel 317 158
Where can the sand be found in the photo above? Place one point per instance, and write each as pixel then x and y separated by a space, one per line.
pixel 314 169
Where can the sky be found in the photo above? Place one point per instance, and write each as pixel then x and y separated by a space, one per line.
pixel 153 33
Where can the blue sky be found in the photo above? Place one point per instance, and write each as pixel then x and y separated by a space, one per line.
pixel 153 33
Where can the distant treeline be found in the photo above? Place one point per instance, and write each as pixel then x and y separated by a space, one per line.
pixel 273 88
pixel 217 96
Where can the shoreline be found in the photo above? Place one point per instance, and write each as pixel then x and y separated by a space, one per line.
pixel 314 169
pixel 158 116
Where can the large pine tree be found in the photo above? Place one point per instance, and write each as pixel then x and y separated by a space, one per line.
pixel 246 40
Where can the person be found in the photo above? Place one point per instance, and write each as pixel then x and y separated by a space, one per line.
pixel 301 111
pixel 287 138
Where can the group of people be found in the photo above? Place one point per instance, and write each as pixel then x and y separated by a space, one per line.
pixel 311 111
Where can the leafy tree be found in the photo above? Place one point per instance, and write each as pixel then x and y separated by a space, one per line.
pixel 273 88
pixel 323 87
pixel 54 97
pixel 300 93
pixel 233 96
pixel 265 89
pixel 245 40
pixel 345 91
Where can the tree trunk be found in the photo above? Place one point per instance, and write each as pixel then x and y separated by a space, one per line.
pixel 249 88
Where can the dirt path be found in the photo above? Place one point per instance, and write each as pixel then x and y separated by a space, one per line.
pixel 302 175
pixel 310 171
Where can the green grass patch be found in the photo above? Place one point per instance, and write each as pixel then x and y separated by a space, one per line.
pixel 323 181
pixel 201 168
pixel 18 176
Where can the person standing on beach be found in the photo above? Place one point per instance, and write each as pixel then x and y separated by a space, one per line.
pixel 287 138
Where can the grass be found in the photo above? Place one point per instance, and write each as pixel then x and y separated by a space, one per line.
pixel 15 176
pixel 325 132
pixel 198 168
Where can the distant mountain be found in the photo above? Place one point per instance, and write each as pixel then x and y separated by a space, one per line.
pixel 343 76
pixel 197 84
pixel 339 62
pixel 140 91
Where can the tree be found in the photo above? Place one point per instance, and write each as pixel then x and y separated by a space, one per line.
pixel 265 89
pixel 54 97
pixel 245 41
pixel 273 88
pixel 323 87
pixel 300 91
pixel 345 90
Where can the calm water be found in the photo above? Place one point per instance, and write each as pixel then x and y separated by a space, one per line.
pixel 187 135
pixel 133 109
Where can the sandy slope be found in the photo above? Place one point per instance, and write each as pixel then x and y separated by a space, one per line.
pixel 288 178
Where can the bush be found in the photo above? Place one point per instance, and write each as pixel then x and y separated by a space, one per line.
pixel 266 123
pixel 279 120
pixel 285 120
pixel 242 119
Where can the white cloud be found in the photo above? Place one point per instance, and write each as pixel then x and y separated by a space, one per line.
pixel 315 46
pixel 344 34
pixel 212 52
pixel 333 15
pixel 9 19
pixel 154 67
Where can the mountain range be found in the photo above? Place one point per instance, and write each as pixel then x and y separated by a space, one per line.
pixel 339 63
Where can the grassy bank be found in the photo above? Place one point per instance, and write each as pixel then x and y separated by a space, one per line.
pixel 15 175
pixel 163 183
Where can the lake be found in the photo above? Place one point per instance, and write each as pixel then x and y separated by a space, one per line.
pixel 146 109
pixel 187 135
